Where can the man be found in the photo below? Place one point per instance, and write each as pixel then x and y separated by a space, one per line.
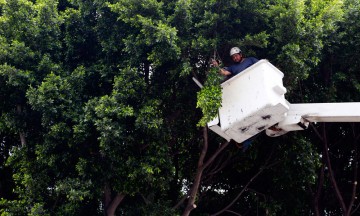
pixel 240 63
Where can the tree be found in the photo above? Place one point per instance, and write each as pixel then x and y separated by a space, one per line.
pixel 99 111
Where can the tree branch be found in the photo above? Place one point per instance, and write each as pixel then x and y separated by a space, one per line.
pixel 355 209
pixel 218 151
pixel 232 212
pixel 266 166
pixel 355 174
pixel 331 172
pixel 182 200
pixel 221 163
pixel 317 132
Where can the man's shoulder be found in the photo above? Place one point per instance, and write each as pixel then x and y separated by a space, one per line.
pixel 252 59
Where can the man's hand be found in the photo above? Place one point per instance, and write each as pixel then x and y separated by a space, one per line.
pixel 222 71
pixel 214 63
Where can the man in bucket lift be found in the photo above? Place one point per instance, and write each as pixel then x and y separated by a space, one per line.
pixel 240 63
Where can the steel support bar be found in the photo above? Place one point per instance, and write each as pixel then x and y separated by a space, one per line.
pixel 300 115
pixel 327 112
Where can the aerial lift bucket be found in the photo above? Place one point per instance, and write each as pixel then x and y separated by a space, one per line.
pixel 254 101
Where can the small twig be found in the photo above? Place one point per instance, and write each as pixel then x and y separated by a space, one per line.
pixel 219 166
pixel 355 210
pixel 233 212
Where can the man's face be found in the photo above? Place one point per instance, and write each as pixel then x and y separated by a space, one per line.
pixel 236 57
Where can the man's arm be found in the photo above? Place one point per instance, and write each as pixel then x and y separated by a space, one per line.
pixel 222 71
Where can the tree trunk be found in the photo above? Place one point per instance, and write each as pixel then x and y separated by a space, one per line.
pixel 355 174
pixel 200 168
pixel 147 72
pixel 21 133
pixel 347 210
pixel 110 211
pixel 331 172
pixel 110 205
pixel 317 194
pixel 107 197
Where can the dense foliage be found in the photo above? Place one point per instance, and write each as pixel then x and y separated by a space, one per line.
pixel 100 115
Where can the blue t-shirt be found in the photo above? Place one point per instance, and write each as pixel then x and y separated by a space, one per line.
pixel 238 67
